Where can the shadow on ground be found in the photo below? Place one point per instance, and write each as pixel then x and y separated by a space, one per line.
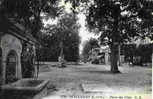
pixel 100 72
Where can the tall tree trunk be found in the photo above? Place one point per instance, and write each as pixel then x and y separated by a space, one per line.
pixel 61 47
pixel 114 58
pixel 115 40
pixel 152 59
pixel 119 55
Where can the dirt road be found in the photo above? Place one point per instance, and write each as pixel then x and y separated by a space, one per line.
pixel 88 79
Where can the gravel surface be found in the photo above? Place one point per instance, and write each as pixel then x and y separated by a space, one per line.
pixel 68 81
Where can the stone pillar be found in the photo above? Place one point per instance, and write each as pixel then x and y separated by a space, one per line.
pixel 3 68
pixel 11 43
pixel 19 69
pixel 106 58
pixel 34 61
pixel 3 72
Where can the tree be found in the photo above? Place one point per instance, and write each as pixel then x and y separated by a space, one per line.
pixel 62 38
pixel 118 21
pixel 88 46
pixel 29 12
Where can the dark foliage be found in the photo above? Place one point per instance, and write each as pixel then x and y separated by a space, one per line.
pixel 143 52
pixel 65 31
pixel 108 18
pixel 89 45
pixel 28 12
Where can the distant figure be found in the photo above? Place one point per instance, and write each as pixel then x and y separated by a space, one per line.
pixel 61 61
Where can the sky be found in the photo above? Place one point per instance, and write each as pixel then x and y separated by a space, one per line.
pixel 83 32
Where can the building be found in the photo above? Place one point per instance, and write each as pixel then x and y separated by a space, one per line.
pixel 14 40
pixel 100 55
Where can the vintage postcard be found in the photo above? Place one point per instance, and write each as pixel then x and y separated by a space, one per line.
pixel 76 49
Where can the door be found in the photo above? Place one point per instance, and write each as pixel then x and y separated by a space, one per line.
pixel 11 65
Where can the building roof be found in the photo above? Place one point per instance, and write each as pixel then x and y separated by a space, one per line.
pixel 8 25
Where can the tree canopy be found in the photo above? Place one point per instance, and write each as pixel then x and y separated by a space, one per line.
pixel 29 12
pixel 118 21
pixel 88 46
pixel 65 31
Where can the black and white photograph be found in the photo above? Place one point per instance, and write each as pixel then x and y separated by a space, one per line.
pixel 76 49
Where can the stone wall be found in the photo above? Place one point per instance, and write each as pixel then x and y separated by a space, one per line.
pixel 10 43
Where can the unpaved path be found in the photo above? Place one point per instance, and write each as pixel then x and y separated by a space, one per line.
pixel 68 81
